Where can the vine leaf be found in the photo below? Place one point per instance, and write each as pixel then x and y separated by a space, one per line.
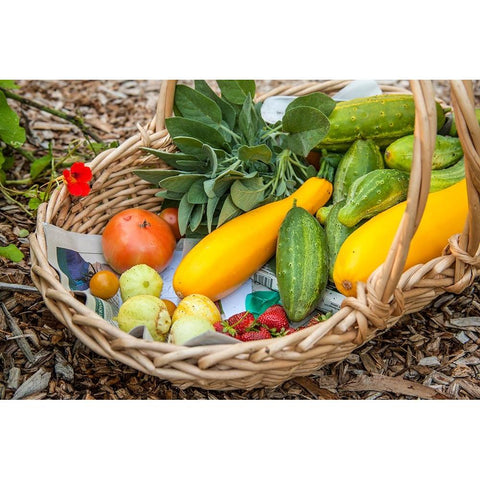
pixel 10 130
pixel 11 252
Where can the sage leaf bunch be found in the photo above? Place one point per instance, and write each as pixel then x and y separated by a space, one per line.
pixel 228 160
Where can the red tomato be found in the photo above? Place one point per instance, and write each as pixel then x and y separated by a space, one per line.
pixel 136 236
pixel 170 215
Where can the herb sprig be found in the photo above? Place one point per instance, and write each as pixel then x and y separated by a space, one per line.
pixel 228 159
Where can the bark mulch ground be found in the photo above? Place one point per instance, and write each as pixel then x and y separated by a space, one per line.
pixel 433 354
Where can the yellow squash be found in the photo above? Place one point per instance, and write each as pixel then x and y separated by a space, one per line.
pixel 229 255
pixel 367 247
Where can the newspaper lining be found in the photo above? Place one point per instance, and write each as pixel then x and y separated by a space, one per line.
pixel 77 256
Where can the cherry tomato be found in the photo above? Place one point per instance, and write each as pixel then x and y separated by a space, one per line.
pixel 136 236
pixel 104 284
pixel 170 215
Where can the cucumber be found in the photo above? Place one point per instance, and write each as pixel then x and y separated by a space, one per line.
pixel 383 118
pixel 447 177
pixel 322 213
pixel 373 193
pixel 336 233
pixel 453 127
pixel 362 157
pixel 301 263
pixel 399 154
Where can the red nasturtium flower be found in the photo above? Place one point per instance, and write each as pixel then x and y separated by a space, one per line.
pixel 77 178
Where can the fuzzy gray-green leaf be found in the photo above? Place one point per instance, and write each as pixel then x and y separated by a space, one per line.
pixel 195 105
pixel 229 210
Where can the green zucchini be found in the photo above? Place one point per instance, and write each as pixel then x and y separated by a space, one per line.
pixel 336 233
pixel 383 118
pixel 373 193
pixel 447 177
pixel 301 263
pixel 362 157
pixel 399 154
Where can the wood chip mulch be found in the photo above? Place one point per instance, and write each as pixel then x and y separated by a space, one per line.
pixel 433 354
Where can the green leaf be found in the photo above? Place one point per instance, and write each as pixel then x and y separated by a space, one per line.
pixel 34 203
pixel 235 91
pixel 185 127
pixel 169 158
pixel 247 121
pixel 8 84
pixel 196 216
pixel 155 175
pixel 317 100
pixel 306 126
pixel 212 159
pixel 11 252
pixel 189 145
pixel 10 131
pixel 23 233
pixel 180 183
pixel 168 195
pixel 228 112
pixel 259 153
pixel 40 164
pixel 211 207
pixel 185 209
pixel 247 194
pixel 197 106
pixel 196 194
pixel 229 210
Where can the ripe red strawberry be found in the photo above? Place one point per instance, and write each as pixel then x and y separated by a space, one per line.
pixel 242 322
pixel 261 334
pixel 274 317
pixel 218 326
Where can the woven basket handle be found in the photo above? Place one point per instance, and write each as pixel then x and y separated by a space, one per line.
pixel 164 104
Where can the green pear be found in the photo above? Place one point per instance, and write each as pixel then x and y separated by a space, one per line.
pixel 146 310
pixel 188 327
pixel 140 279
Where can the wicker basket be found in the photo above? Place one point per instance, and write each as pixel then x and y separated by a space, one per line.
pixel 379 303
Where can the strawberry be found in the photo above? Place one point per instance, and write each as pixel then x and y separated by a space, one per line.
pixel 242 322
pixel 261 334
pixel 274 318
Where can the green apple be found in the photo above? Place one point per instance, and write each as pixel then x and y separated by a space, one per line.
pixel 140 279
pixel 146 310
pixel 188 327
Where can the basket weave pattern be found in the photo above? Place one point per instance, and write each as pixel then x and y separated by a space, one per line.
pixel 388 294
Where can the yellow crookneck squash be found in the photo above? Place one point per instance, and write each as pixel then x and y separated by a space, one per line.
pixel 230 254
pixel 368 246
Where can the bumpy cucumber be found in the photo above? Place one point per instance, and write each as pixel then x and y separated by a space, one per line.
pixel 399 154
pixel 383 118
pixel 362 157
pixel 453 127
pixel 373 193
pixel 447 177
pixel 322 213
pixel 336 233
pixel 301 263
